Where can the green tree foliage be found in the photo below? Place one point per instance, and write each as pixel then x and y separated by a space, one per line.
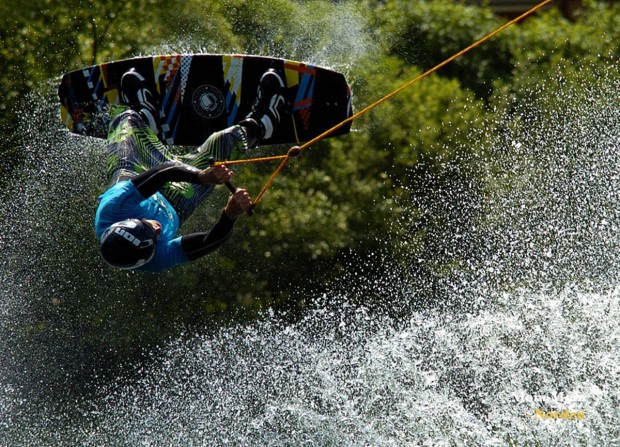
pixel 346 199
pixel 426 33
pixel 42 39
pixel 552 45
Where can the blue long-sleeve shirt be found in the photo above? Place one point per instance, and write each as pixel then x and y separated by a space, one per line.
pixel 139 198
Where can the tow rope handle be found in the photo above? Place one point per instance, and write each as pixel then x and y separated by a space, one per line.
pixel 232 187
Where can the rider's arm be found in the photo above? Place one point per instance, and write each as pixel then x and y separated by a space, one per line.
pixel 196 245
pixel 151 181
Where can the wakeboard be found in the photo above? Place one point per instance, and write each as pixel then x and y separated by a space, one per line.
pixel 199 94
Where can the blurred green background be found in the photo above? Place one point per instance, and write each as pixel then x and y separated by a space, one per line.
pixel 348 202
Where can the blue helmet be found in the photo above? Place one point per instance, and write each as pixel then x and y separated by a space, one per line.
pixel 128 244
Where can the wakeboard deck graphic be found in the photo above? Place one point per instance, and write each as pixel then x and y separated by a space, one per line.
pixel 199 94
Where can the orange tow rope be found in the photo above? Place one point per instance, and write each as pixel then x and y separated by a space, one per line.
pixel 296 150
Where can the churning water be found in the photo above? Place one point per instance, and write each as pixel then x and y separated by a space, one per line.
pixel 530 357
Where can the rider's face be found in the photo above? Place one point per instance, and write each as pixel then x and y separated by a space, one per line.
pixel 155 225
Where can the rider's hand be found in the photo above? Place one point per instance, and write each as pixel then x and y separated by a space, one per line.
pixel 215 175
pixel 238 203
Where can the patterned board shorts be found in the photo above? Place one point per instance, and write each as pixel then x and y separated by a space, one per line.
pixel 133 148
